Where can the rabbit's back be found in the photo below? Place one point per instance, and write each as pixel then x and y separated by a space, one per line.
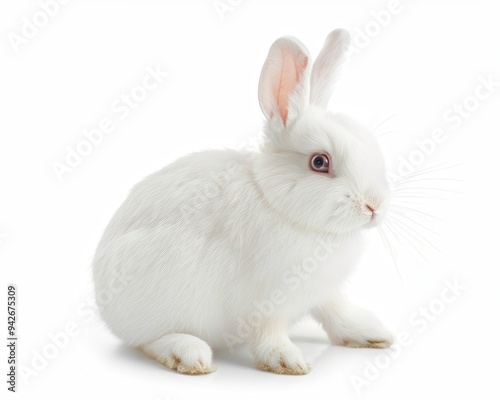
pixel 167 252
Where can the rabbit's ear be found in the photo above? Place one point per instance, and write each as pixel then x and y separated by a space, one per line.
pixel 283 81
pixel 326 68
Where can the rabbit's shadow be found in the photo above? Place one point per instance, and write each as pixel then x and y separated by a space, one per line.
pixel 134 355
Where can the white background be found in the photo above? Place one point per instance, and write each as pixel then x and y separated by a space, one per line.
pixel 429 56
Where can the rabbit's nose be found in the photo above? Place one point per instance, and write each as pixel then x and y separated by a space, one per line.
pixel 374 214
pixel 369 207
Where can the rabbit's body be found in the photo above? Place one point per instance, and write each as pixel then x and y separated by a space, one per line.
pixel 225 247
pixel 180 273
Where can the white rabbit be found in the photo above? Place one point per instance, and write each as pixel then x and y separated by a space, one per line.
pixel 227 247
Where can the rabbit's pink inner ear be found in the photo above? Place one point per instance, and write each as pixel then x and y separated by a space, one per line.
pixel 292 71
pixel 282 80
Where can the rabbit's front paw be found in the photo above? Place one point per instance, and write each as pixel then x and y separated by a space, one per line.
pixel 283 359
pixel 352 326
pixel 373 335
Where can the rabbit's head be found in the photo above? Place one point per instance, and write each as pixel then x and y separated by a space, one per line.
pixel 319 170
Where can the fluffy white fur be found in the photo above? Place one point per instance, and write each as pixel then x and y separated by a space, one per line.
pixel 177 278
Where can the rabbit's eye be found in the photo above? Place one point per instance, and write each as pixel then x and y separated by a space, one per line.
pixel 320 163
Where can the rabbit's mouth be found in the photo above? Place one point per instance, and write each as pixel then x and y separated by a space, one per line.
pixel 374 214
pixel 376 218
